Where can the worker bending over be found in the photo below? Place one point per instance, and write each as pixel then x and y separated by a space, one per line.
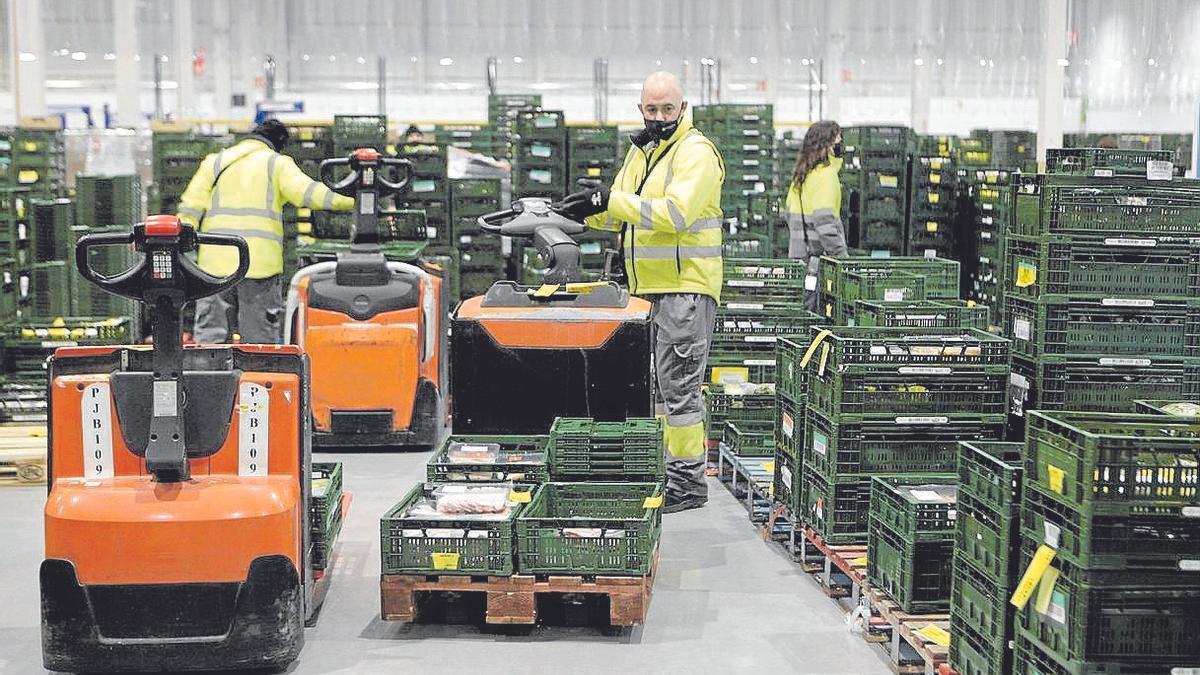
pixel 242 190
pixel 666 203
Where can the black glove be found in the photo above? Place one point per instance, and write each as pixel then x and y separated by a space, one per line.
pixel 580 205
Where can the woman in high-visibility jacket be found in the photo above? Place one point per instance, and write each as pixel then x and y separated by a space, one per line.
pixel 241 190
pixel 814 203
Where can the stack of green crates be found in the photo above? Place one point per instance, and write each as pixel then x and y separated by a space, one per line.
pixel 932 207
pixel 540 155
pixel 481 255
pixel 103 204
pixel 325 511
pixel 973 151
pixel 989 209
pixel 986 541
pixel 936 146
pixel 480 138
pixel 1102 288
pixel 108 201
pixel 879 157
pixel 429 190
pixel 1168 407
pixel 176 157
pixel 745 136
pixel 882 401
pixel 14 224
pixel 503 110
pixel 1110 496
pixel 910 545
pixel 844 282
pixel 34 159
pixel 607 493
pixel 923 314
pixel 25 346
pixel 351 132
pixel 594 153
pixel 1015 148
pixel 744 411
pixel 310 145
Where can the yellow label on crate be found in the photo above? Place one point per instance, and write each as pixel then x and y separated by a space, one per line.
pixel 931 226
pixel 934 197
pixel 730 374
pixel 829 285
pixel 27 176
pixel 769 467
pixel 445 561
pixel 935 178
pixel 935 634
pixel 1045 590
pixel 306 134
pixel 824 358
pixel 545 290
pixel 1057 478
pixel 652 502
pixel 593 171
pixel 1026 275
pixel 859 561
pixel 1033 575
pixel 889 181
pixel 828 310
pixel 31 146
pixel 519 497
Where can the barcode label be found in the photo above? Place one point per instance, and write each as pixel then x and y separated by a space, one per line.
pixel 922 420
pixel 745 283
pixel 924 370
pixel 1124 362
pixel 1127 302
pixel 744 305
pixel 1121 241
pixel 1158 169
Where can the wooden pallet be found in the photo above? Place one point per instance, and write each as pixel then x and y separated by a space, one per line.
pixel 23 454
pixel 513 600
pixel 908 652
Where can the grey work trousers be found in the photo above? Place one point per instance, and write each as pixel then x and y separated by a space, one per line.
pixel 253 306
pixel 682 327
pixel 824 235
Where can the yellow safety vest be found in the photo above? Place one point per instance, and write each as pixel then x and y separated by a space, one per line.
pixel 673 224
pixel 241 190
pixel 821 197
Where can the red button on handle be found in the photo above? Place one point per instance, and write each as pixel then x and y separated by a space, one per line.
pixel 163 226
pixel 366 154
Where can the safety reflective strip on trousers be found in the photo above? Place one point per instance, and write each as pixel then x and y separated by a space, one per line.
pixel 685 441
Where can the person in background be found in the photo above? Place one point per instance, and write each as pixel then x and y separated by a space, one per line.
pixel 666 202
pixel 414 135
pixel 814 203
pixel 241 190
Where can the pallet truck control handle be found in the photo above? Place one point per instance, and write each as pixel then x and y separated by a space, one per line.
pixel 163 240
pixel 367 167
pixel 526 217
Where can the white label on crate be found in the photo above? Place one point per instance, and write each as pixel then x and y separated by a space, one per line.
pixel 810 282
pixel 1189 565
pixel 423 186
pixel 1022 329
pixel 749 147
pixel 1159 169
pixel 931 253
pixel 253 437
pixel 1127 302
pixel 923 370
pixel 745 283
pixel 1133 201
pixel 1057 611
pixel 985 261
pixel 987 206
pixel 820 443
pixel 431 232
pixel 1185 671
pixel 1124 362
pixel 1123 241
pixel 1190 512
pixel 540 150
pixel 893 294
pixel 789 425
pixel 55 344
pixel 743 305
pixel 1103 173
pixel 749 162
pixel 758 362
pixel 923 420
pixel 545 122
pixel 925 495
pixel 759 338
pixel 985 235
pixel 96 413
pixel 786 474
pixel 1053 533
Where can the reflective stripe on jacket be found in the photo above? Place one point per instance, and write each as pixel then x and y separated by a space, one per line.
pixel 241 190
pixel 673 226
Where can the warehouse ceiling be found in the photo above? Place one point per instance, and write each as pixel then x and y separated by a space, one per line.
pixel 1121 52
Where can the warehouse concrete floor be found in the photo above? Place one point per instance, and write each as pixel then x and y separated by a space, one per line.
pixel 724 601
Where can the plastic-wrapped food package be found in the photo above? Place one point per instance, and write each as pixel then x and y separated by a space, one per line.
pixel 485 502
pixel 472 453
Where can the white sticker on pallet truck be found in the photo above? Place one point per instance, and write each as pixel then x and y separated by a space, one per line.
pixel 96 413
pixel 253 433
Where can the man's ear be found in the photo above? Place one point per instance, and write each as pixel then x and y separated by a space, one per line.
pixel 682 109
pixel 643 112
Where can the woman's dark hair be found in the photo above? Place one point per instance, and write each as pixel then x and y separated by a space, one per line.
pixel 815 149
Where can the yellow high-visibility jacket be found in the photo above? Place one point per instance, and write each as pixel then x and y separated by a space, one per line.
pixel 817 203
pixel 672 227
pixel 241 190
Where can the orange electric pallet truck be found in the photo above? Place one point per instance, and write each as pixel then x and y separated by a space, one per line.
pixel 177 521
pixel 372 328
pixel 523 355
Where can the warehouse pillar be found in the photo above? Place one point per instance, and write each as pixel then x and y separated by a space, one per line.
pixel 184 48
pixel 835 48
pixel 28 41
pixel 221 68
pixel 129 105
pixel 1054 61
pixel 922 68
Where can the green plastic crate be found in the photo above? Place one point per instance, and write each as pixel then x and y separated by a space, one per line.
pixel 754 409
pixel 980 623
pixel 1151 618
pixel 590 529
pixel 787 484
pixel 790 430
pixel 917 510
pixel 1104 162
pixel 925 314
pixel 1110 463
pixel 1118 207
pixel 520 459
pixel 749 442
pixel 941 276
pixel 455 546
pixel 326 494
pixel 322 542
pixel 910 544
pixel 1099 382
pixel 1031 658
pixel 581 448
pixel 888 285
pixel 1060 325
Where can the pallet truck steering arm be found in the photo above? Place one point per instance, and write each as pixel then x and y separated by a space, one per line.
pixel 551 233
pixel 164 280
